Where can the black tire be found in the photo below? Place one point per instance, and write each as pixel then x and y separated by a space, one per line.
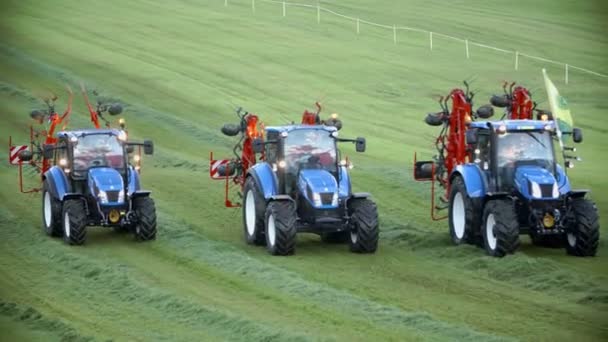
pixel 74 222
pixel 51 224
pixel 500 237
pixel 463 215
pixel 548 241
pixel 145 228
pixel 434 119
pixel 280 228
pixel 500 101
pixel 584 235
pixel 335 237
pixel 364 226
pixel 254 234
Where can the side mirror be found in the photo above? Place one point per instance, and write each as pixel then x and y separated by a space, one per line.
pixel 148 147
pixel 577 135
pixel 115 109
pixel 130 149
pixel 471 137
pixel 485 112
pixel 48 151
pixel 500 101
pixel 423 170
pixel 26 155
pixel 258 145
pixel 360 144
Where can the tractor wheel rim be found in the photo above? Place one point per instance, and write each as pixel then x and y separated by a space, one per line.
pixel 571 240
pixel 250 213
pixel 47 209
pixel 354 237
pixel 458 215
pixel 490 236
pixel 272 230
pixel 66 224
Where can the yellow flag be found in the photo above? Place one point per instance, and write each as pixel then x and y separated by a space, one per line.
pixel 558 106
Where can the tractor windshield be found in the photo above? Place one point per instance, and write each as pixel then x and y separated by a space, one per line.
pixel 525 148
pixel 310 149
pixel 95 150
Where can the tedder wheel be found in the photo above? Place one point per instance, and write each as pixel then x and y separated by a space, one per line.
pixel 74 222
pixel 51 212
pixel 281 228
pixel 145 228
pixel 584 234
pixel 335 237
pixel 464 215
pixel 364 226
pixel 254 209
pixel 500 228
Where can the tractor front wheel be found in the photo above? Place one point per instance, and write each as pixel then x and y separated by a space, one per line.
pixel 145 228
pixel 254 209
pixel 364 231
pixel 463 216
pixel 584 235
pixel 74 222
pixel 51 212
pixel 281 228
pixel 500 228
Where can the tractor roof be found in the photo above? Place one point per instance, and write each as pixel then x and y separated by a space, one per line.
pixel 81 132
pixel 515 125
pixel 290 128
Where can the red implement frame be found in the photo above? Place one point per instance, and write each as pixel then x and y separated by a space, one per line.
pixel 252 130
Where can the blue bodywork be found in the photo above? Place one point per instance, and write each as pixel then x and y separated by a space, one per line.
pixel 329 190
pixel 109 181
pixel 474 179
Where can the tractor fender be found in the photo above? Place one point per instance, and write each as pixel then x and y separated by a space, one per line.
pixel 344 183
pixel 72 195
pixel 473 178
pixel 563 183
pixel 133 181
pixel 58 182
pixel 578 193
pixel 265 179
pixel 140 193
pixel 360 195
pixel 282 198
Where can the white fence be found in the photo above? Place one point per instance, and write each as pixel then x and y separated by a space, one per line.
pixel 394 29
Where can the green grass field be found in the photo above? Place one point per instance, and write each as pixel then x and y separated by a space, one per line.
pixel 182 66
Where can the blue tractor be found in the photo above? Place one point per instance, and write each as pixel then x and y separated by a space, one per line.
pixel 302 185
pixel 513 185
pixel 92 183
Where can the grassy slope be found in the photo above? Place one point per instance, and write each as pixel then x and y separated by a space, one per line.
pixel 179 65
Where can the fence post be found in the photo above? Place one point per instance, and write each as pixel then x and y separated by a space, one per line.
pixel 284 9
pixel 431 40
pixel 516 60
pixel 466 47
pixel 318 13
pixel 395 34
pixel 358 26
pixel 566 73
pixel 253 6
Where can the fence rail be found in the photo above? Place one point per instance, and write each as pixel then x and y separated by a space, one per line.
pixel 394 28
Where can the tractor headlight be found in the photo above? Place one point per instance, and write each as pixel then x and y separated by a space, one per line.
pixel 63 162
pixel 555 190
pixel 136 158
pixel 102 196
pixel 122 136
pixel 282 164
pixel 316 199
pixel 121 196
pixel 334 200
pixel 535 190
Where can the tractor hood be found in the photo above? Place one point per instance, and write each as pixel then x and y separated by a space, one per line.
pixel 535 182
pixel 319 187
pixel 109 181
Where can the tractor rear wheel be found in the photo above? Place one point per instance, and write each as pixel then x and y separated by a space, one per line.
pixel 145 228
pixel 281 228
pixel 364 226
pixel 500 228
pixel 254 209
pixel 74 222
pixel 51 212
pixel 464 215
pixel 584 235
